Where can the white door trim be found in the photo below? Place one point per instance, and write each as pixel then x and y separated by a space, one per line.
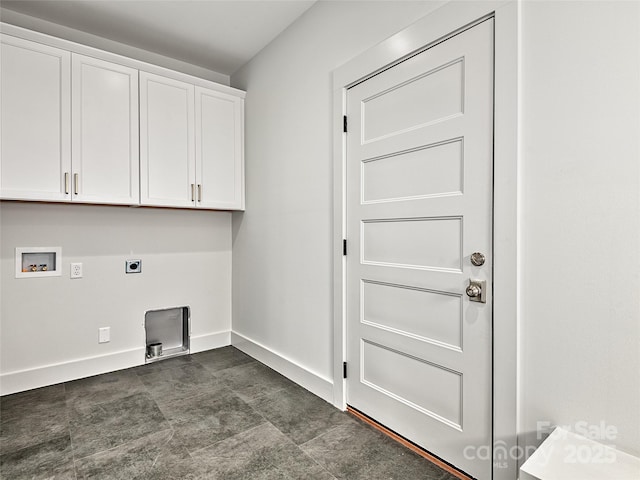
pixel 430 29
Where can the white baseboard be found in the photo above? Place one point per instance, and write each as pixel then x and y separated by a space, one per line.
pixel 209 341
pixel 316 384
pixel 28 379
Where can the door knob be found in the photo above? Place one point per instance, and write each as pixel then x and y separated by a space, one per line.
pixel 476 291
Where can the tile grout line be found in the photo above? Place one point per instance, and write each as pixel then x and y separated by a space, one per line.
pixel 252 402
pixel 115 447
pixel 66 413
pixel 335 427
pixel 98 405
pixel 325 469
pixel 225 439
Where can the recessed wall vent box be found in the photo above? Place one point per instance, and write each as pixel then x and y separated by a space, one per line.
pixel 34 262
pixel 167 333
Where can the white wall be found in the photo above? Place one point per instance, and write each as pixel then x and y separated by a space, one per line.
pixel 282 258
pixel 49 326
pixel 580 337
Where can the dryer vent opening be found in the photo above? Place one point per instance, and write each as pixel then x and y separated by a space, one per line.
pixel 167 333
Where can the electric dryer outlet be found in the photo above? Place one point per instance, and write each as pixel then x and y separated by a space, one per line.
pixel 133 266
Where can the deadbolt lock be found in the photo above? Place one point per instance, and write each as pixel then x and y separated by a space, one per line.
pixel 477 291
pixel 477 259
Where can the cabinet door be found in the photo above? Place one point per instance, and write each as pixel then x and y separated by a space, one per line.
pixel 219 150
pixel 36 117
pixel 167 162
pixel 105 160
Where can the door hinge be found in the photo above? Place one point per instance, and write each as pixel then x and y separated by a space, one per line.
pixel 344 369
pixel 344 246
pixel 344 124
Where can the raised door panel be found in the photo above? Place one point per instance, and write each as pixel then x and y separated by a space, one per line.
pixel 104 132
pixel 36 116
pixel 167 160
pixel 219 150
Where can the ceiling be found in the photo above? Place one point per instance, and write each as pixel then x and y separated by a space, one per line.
pixel 220 35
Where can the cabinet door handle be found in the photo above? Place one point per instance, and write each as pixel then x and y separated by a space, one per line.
pixel 199 192
pixel 75 183
pixel 66 183
pixel 193 192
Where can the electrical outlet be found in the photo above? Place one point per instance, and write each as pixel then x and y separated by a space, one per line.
pixel 104 334
pixel 133 266
pixel 76 270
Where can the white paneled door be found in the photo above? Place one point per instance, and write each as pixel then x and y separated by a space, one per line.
pixel 419 204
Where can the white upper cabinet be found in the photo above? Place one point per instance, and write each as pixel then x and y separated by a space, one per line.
pixel 35 160
pixel 82 125
pixel 167 158
pixel 191 149
pixel 69 126
pixel 105 159
pixel 219 144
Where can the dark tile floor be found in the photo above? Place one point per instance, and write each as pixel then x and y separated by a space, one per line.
pixel 213 415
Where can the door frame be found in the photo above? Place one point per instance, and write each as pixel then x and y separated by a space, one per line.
pixel 436 26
